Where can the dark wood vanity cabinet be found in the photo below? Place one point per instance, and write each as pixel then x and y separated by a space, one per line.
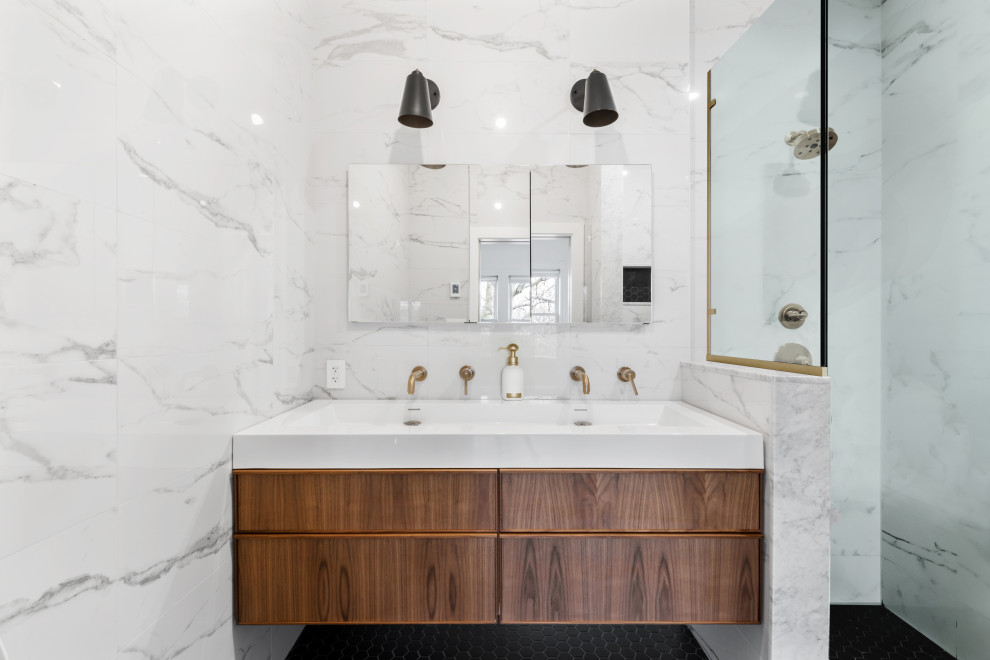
pixel 473 546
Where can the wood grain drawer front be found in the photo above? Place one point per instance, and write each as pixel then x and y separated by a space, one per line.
pixel 624 578
pixel 333 501
pixel 365 579
pixel 630 501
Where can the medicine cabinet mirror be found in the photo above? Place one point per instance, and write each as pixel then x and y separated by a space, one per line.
pixel 500 244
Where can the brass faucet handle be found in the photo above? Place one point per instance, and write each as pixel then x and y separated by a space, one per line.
pixel 627 375
pixel 579 374
pixel 466 373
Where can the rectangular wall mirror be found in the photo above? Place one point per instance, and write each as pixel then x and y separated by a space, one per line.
pixel 500 244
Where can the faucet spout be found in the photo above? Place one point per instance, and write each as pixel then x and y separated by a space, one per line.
pixel 419 373
pixel 578 373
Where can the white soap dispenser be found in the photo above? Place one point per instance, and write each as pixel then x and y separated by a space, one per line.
pixel 512 375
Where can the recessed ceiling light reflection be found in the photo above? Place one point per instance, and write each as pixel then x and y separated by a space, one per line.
pixel 257 120
pixel 57 84
pixel 356 204
pixel 693 96
pixel 500 122
pixel 498 206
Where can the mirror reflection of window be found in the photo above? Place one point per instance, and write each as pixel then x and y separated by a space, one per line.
pixel 521 301
pixel 544 302
pixel 550 283
pixel 488 297
pixel 504 281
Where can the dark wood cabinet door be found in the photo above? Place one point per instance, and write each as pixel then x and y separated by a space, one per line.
pixel 630 578
pixel 365 579
pixel 332 501
pixel 631 501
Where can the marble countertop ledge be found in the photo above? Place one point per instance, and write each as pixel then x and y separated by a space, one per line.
pixel 753 373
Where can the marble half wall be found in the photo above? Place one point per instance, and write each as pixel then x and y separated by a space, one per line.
pixel 792 413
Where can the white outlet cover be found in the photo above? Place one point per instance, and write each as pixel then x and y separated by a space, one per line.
pixel 335 374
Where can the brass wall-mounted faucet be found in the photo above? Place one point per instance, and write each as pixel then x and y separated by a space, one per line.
pixel 578 373
pixel 627 375
pixel 419 373
pixel 466 373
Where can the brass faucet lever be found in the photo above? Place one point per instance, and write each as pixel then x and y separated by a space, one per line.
pixel 419 373
pixel 466 373
pixel 627 375
pixel 578 373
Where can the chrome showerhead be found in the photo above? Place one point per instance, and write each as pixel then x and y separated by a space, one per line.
pixel 808 144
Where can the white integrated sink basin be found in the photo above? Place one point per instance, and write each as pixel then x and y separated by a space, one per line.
pixel 497 434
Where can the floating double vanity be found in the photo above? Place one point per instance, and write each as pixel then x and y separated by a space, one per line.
pixel 499 511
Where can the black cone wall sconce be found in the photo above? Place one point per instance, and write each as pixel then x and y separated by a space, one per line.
pixel 593 97
pixel 419 98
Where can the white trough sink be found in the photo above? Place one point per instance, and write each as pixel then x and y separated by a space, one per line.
pixel 497 434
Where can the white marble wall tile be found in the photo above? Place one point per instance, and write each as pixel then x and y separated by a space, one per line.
pixel 57 448
pixel 199 627
pixel 95 21
pixel 856 579
pixel 185 166
pixel 603 351
pixel 516 30
pixel 530 96
pixel 369 30
pixel 212 182
pixel 59 595
pixel 855 305
pixel 58 270
pixel 936 485
pixel 171 540
pixel 182 292
pixel 177 413
pixel 58 114
pixel 634 31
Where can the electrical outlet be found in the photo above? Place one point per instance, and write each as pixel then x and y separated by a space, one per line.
pixel 335 374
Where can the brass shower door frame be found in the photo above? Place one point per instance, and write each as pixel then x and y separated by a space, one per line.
pixel 805 369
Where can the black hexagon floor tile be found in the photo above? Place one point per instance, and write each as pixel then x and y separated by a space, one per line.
pixel 858 632
pixel 501 642
pixel 872 632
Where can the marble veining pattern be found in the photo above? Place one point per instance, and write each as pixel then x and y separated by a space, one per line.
pixel 792 412
pixel 156 287
pixel 936 485
pixel 855 298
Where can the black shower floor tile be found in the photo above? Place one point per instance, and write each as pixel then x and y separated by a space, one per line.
pixel 504 642
pixel 858 632
pixel 872 632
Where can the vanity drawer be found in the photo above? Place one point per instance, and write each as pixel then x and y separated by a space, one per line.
pixel 631 500
pixel 630 578
pixel 328 501
pixel 365 579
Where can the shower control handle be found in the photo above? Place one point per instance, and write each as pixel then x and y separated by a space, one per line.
pixel 792 316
